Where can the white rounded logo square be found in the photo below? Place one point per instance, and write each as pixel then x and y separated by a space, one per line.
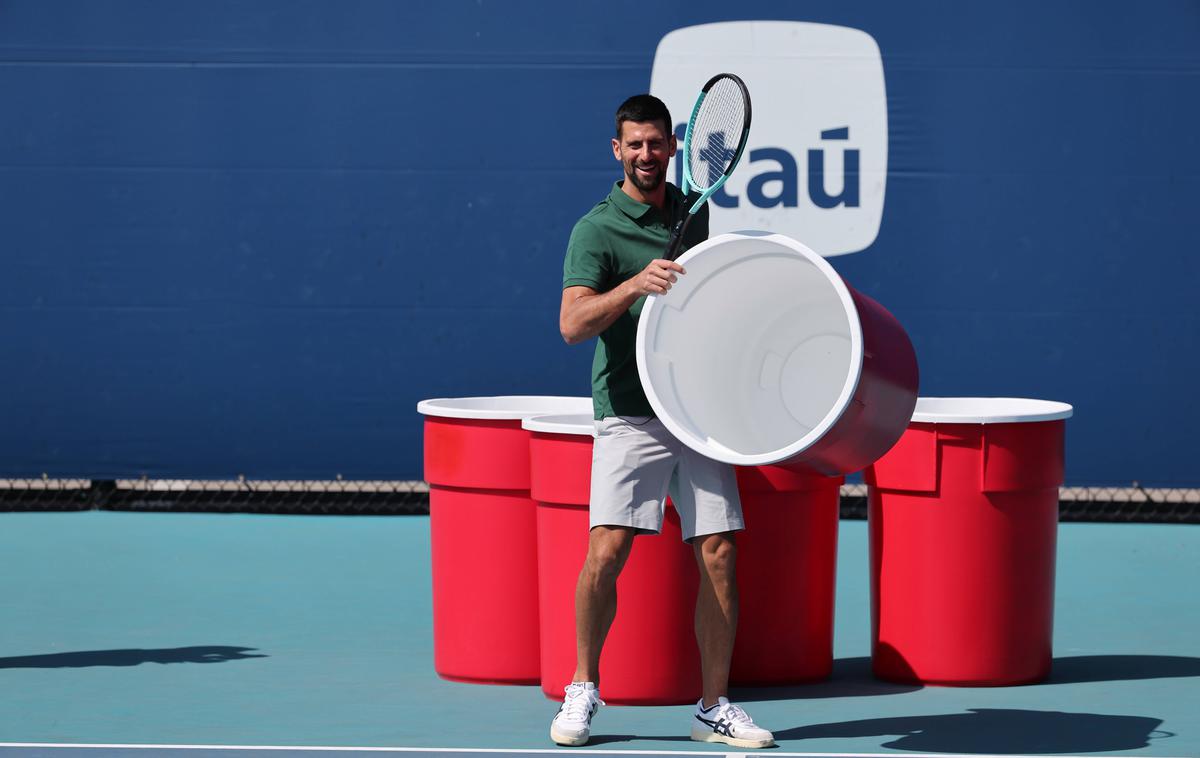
pixel 815 168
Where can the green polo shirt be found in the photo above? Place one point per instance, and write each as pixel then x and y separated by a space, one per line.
pixel 614 242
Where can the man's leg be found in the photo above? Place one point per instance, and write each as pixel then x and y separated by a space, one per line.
pixel 595 609
pixel 717 719
pixel 630 471
pixel 711 514
pixel 716 611
pixel 596 595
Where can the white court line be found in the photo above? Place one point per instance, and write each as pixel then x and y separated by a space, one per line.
pixel 518 751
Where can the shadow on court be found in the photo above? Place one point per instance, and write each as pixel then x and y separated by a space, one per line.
pixel 1119 668
pixel 997 731
pixel 133 657
pixel 851 677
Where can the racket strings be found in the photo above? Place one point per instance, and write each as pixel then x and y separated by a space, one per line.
pixel 716 133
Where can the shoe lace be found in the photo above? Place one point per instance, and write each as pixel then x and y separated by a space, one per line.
pixel 577 705
pixel 735 714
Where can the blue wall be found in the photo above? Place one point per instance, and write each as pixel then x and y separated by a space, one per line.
pixel 247 238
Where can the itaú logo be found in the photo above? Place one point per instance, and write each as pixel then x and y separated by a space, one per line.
pixel 816 165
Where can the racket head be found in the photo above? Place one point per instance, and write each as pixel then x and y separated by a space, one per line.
pixel 717 133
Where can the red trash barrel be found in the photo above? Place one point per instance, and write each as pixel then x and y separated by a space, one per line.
pixel 650 656
pixel 963 516
pixel 786 568
pixel 483 535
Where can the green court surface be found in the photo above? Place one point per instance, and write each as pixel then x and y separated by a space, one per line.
pixel 174 630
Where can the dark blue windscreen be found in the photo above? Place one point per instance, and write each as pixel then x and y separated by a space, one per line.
pixel 247 239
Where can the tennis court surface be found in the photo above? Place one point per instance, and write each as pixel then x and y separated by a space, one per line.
pixel 265 635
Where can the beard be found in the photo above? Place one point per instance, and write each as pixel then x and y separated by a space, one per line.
pixel 645 184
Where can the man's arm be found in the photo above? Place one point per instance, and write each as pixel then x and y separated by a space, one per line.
pixel 585 313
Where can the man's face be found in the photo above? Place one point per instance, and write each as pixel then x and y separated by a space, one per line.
pixel 644 149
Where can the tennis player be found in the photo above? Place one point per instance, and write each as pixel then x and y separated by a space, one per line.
pixel 614 259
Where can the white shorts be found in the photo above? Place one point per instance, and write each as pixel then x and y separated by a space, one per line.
pixel 636 461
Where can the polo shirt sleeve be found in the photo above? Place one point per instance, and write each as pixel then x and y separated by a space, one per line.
pixel 587 261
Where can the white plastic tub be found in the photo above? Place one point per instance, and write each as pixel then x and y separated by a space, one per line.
pixel 761 354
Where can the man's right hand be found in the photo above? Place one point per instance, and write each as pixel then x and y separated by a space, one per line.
pixel 585 313
pixel 656 278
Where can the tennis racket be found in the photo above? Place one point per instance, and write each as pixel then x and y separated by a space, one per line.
pixel 712 146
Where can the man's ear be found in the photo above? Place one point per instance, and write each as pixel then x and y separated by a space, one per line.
pixel 673 144
pixel 617 148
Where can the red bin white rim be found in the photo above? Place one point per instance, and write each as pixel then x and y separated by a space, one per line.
pixel 581 424
pixel 504 407
pixel 988 410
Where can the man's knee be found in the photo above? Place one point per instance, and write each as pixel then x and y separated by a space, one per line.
pixel 717 554
pixel 608 549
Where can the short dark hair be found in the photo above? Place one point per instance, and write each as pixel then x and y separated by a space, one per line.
pixel 642 108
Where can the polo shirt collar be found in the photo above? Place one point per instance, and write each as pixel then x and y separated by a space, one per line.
pixel 627 204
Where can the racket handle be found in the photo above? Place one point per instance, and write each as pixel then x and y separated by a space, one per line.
pixel 676 240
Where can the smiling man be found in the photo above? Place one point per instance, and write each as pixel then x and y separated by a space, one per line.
pixel 614 260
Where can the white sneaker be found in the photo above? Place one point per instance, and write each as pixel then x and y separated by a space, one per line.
pixel 728 723
pixel 572 725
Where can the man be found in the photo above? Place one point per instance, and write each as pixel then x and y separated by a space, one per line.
pixel 614 259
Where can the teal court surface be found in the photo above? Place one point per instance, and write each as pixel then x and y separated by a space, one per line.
pixel 228 636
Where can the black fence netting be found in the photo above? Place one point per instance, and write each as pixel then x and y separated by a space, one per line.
pixel 334 497
pixel 48 495
pixel 1095 504
pixel 349 497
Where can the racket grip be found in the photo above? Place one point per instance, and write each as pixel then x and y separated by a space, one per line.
pixel 676 240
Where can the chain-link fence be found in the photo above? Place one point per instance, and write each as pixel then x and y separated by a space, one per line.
pixel 47 494
pixel 1112 504
pixel 334 497
pixel 349 497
